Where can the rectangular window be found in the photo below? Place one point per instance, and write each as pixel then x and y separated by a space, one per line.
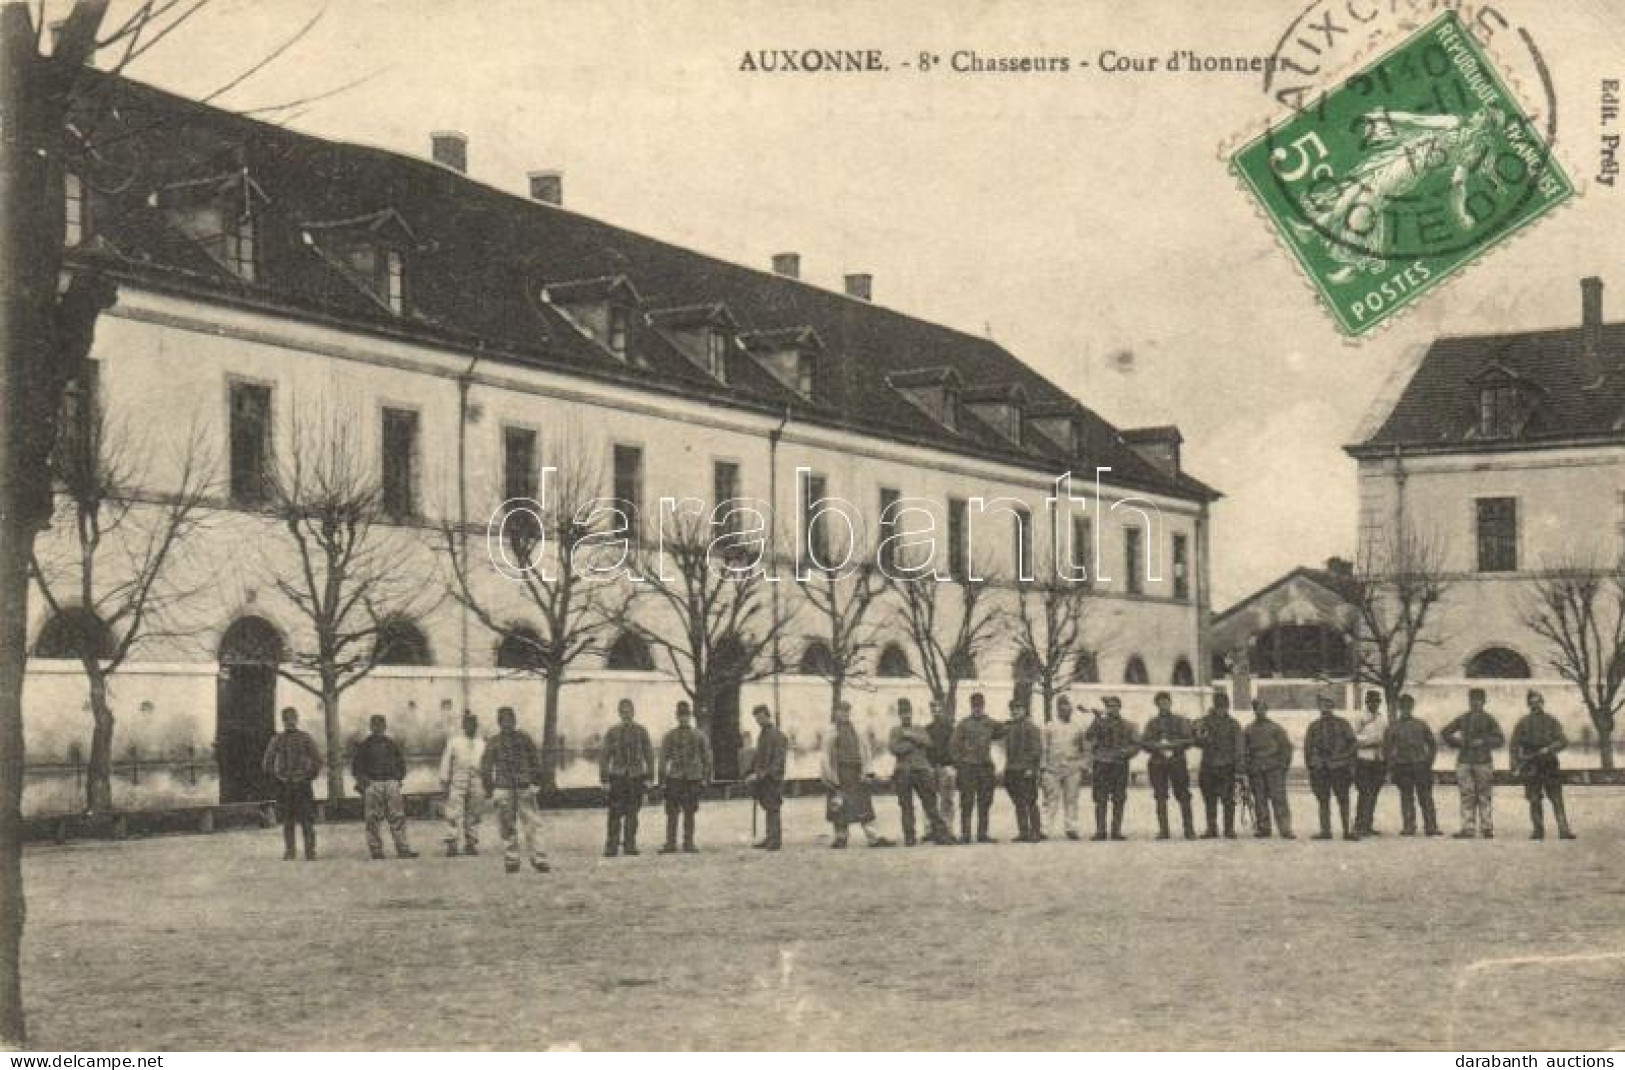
pixel 77 434
pixel 958 538
pixel 725 488
pixel 1134 560
pixel 75 219
pixel 806 375
pixel 1083 548
pixel 250 431
pixel 628 466
pixel 399 442
pixel 717 351
pixel 1497 534
pixel 395 282
pixel 1182 581
pixel 519 469
pixel 888 516
pixel 1022 537
pixel 240 249
pixel 815 533
pixel 618 325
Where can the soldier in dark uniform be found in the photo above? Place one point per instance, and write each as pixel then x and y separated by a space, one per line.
pixel 1267 752
pixel 1329 748
pixel 1023 757
pixel 912 776
pixel 1166 738
pixel 766 775
pixel 973 761
pixel 1219 736
pixel 685 770
pixel 1115 742
pixel 625 766
pixel 941 756
pixel 1536 740
pixel 1410 749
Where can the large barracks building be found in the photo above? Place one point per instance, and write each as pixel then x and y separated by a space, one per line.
pixel 273 285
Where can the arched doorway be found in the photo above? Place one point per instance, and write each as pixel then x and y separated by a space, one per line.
pixel 245 707
pixel 728 665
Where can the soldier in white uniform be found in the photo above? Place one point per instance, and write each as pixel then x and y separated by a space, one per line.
pixel 1066 760
pixel 460 779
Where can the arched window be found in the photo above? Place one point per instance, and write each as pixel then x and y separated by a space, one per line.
pixel 400 642
pixel 817 660
pixel 74 632
pixel 1498 662
pixel 1183 676
pixel 1086 667
pixel 629 653
pixel 963 665
pixel 521 648
pixel 1134 672
pixel 893 664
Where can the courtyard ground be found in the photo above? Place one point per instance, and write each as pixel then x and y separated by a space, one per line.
pixel 207 942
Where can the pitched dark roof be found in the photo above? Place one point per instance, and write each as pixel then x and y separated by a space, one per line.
pixel 481 260
pixel 1572 396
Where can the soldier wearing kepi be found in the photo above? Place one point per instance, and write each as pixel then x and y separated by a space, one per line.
pixel 1410 749
pixel 1267 753
pixel 1475 735
pixel 1023 756
pixel 1219 736
pixel 460 780
pixel 625 766
pixel 973 761
pixel 912 776
pixel 293 762
pixel 1537 739
pixel 379 767
pixel 1370 765
pixel 1166 738
pixel 1329 747
pixel 685 770
pixel 1113 742
pixel 511 771
pixel 941 755
pixel 1066 759
pixel 766 776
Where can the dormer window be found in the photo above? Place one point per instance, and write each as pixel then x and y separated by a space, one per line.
pixel 604 309
pixel 1060 423
pixel 702 333
pixel 1506 402
pixel 75 210
pixel 217 215
pixel 369 251
pixel 1001 406
pixel 935 391
pixel 790 355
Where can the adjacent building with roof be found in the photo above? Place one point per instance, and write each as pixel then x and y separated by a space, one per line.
pixel 271 282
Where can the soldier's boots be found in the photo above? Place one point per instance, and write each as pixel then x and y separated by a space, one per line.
pixel 670 846
pixel 1117 820
pixel 1230 822
pixel 1100 822
pixel 1162 819
pixel 612 837
pixel 310 845
pixel 1564 832
pixel 288 853
pixel 1186 820
pixel 688 834
pixel 451 848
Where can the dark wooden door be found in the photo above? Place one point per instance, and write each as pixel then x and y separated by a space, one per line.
pixel 247 721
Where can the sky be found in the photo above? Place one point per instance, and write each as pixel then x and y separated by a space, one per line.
pixel 1084 220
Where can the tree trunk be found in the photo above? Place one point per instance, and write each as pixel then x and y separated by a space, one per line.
pixel 335 740
pixel 99 771
pixel 550 732
pixel 1605 740
pixel 15 542
pixel 837 689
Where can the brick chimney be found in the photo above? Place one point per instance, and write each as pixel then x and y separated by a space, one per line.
pixel 449 148
pixel 787 264
pixel 1591 312
pixel 860 287
pixel 547 186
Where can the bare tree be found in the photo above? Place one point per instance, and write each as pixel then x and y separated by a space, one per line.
pixel 841 600
pixel 118 567
pixel 1052 618
pixel 1578 607
pixel 949 622
pixel 707 608
pixel 549 548
pixel 351 574
pixel 1398 580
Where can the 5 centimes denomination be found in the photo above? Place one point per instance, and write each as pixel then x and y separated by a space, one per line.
pixel 1401 175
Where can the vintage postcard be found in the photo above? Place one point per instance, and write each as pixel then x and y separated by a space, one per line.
pixel 739 525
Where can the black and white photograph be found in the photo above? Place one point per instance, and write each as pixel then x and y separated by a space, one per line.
pixel 751 525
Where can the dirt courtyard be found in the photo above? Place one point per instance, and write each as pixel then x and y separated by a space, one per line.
pixel 213 942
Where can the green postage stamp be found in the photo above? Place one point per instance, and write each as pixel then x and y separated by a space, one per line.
pixel 1402 175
